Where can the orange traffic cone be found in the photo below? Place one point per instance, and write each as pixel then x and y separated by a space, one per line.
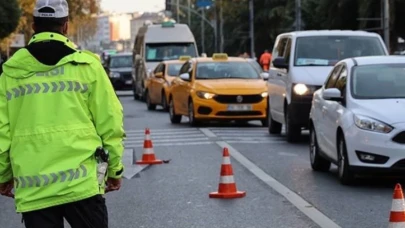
pixel 227 186
pixel 397 216
pixel 148 157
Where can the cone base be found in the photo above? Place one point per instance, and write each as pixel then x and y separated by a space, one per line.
pixel 232 195
pixel 153 162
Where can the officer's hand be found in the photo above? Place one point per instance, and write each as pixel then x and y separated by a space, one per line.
pixel 6 188
pixel 113 185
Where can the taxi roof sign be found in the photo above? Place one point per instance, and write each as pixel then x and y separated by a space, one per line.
pixel 220 56
pixel 184 58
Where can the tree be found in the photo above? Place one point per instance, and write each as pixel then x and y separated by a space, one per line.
pixel 9 17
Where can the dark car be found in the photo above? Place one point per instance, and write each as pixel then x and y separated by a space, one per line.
pixel 119 69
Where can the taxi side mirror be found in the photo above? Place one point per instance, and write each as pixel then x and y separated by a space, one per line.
pixel 185 77
pixel 159 75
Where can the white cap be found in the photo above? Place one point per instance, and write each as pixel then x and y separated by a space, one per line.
pixel 51 9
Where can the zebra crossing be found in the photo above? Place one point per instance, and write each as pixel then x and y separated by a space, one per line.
pixel 200 136
pixel 167 137
pixel 246 136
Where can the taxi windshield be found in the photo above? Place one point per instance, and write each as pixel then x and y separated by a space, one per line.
pixel 224 70
pixel 378 81
pixel 328 50
pixel 174 69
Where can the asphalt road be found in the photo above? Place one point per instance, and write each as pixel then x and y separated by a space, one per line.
pixel 282 190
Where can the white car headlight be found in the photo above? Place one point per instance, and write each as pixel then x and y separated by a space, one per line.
pixel 300 89
pixel 114 75
pixel 265 94
pixel 205 95
pixel 369 124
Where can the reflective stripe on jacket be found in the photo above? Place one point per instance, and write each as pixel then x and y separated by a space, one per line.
pixel 52 118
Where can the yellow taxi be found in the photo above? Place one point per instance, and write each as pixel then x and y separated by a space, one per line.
pixel 158 84
pixel 218 88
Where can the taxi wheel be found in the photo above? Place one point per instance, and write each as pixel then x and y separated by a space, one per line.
pixel 148 102
pixel 346 175
pixel 191 115
pixel 175 119
pixel 165 106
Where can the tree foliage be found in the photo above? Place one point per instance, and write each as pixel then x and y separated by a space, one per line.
pixel 273 17
pixel 9 16
pixel 80 12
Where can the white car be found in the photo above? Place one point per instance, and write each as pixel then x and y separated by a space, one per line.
pixel 357 118
pixel 302 61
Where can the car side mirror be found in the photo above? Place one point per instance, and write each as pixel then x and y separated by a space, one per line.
pixel 280 62
pixel 185 77
pixel 265 76
pixel 332 94
pixel 159 75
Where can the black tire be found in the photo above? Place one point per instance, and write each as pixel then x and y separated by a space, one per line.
pixel 165 106
pixel 191 116
pixel 149 105
pixel 175 119
pixel 265 122
pixel 293 132
pixel 318 163
pixel 136 96
pixel 274 127
pixel 346 175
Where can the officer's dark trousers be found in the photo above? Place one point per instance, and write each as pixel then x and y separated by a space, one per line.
pixel 88 213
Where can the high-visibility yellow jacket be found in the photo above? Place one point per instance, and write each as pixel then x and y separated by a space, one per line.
pixel 52 119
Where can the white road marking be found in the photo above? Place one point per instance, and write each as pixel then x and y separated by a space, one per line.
pixel 207 132
pixel 162 130
pixel 256 142
pixel 301 204
pixel 166 140
pixel 130 170
pixel 170 144
pixel 139 137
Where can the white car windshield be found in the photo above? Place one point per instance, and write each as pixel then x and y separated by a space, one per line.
pixel 174 69
pixel 378 81
pixel 328 50
pixel 224 70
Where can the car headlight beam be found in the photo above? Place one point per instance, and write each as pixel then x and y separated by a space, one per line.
pixel 300 89
pixel 205 95
pixel 370 124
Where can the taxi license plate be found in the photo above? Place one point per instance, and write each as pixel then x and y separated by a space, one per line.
pixel 236 108
pixel 128 82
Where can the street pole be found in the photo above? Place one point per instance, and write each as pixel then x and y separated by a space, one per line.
pixel 189 12
pixel 202 30
pixel 221 27
pixel 178 11
pixel 387 24
pixel 252 29
pixel 298 15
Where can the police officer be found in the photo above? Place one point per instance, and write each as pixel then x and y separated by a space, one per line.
pixel 57 106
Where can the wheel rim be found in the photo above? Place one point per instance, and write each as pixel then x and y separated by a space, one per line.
pixel 171 109
pixel 312 147
pixel 341 159
pixel 191 113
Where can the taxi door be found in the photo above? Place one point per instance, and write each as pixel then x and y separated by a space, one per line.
pixel 183 89
pixel 160 80
pixel 154 84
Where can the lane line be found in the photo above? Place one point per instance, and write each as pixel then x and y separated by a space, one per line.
pixel 163 130
pixel 301 204
pixel 256 142
pixel 130 170
pixel 128 146
pixel 207 132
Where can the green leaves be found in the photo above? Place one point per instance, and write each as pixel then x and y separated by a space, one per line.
pixel 9 17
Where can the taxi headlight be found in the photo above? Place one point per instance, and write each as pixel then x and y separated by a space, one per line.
pixel 300 89
pixel 205 95
pixel 265 94
pixel 370 124
pixel 114 75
